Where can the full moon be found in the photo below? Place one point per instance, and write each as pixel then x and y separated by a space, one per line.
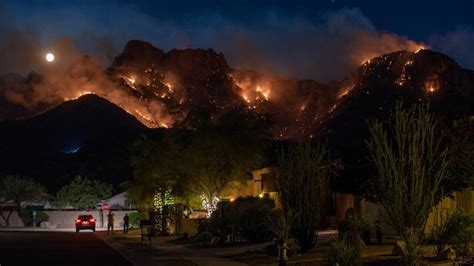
pixel 49 57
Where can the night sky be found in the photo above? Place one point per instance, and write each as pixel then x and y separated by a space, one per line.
pixel 295 38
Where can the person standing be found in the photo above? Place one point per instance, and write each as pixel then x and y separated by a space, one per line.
pixel 126 223
pixel 110 222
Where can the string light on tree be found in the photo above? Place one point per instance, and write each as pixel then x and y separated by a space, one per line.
pixel 163 203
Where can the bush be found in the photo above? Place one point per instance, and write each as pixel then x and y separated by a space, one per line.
pixel 353 227
pixel 343 252
pixel 462 234
pixel 204 236
pixel 203 225
pixel 456 231
pixel 412 251
pixel 244 216
pixel 134 217
pixel 27 217
pixel 358 219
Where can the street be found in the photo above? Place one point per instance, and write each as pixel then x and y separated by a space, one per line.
pixel 53 248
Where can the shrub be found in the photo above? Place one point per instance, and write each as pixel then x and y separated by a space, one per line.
pixel 203 225
pixel 462 232
pixel 204 236
pixel 353 227
pixel 279 223
pixel 27 217
pixel 245 216
pixel 440 234
pixel 135 217
pixel 343 252
pixel 412 251
pixel 358 219
pixel 457 231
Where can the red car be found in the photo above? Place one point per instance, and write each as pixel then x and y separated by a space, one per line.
pixel 85 221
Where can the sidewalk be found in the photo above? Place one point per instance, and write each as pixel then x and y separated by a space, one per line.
pixel 162 252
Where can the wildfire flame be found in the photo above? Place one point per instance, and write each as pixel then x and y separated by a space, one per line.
pixel 265 92
pixel 344 92
pixel 131 80
pixel 432 84
pixel 252 91
pixel 78 95
pixel 169 86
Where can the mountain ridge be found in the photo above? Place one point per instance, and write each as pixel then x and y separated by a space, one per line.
pixel 88 136
pixel 91 134
pixel 165 86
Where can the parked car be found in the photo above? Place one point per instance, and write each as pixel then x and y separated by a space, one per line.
pixel 85 221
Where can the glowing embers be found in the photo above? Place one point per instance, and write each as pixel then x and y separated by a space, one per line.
pixel 303 107
pixel 403 76
pixel 168 85
pixel 431 86
pixel 345 90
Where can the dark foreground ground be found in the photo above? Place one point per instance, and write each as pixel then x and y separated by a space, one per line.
pixel 51 248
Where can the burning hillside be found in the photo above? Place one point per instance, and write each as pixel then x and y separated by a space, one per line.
pixel 161 88
pixel 421 76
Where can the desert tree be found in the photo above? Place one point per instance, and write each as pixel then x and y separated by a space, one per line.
pixel 14 191
pixel 302 181
pixel 460 139
pixel 200 156
pixel 83 194
pixel 410 164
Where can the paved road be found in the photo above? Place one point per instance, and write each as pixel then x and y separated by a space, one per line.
pixel 51 248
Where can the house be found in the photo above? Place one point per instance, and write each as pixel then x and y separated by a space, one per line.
pixel 262 185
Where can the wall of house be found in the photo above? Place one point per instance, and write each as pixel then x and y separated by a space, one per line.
pixel 465 200
pixel 343 203
pixel 15 220
pixel 441 212
pixel 235 189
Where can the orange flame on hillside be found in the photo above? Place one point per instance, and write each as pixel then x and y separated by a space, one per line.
pixel 253 91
